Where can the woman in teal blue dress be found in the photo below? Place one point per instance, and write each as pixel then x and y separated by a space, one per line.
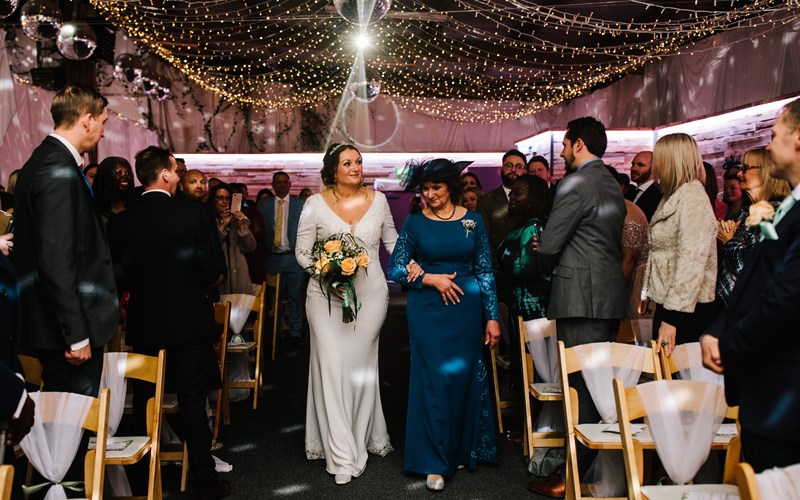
pixel 450 419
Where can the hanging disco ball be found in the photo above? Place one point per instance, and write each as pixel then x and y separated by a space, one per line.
pixel 160 88
pixel 76 40
pixel 40 19
pixel 7 7
pixel 366 89
pixel 362 12
pixel 128 69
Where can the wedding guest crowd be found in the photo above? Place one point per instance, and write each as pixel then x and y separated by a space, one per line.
pixel 91 253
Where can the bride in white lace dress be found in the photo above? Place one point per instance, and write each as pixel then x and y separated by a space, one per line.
pixel 344 418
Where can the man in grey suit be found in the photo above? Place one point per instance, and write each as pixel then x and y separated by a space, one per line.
pixel 281 217
pixel 68 296
pixel 581 250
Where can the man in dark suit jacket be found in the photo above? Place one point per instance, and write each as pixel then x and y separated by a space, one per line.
pixel 493 206
pixel 165 251
pixel 647 194
pixel 755 341
pixel 279 248
pixel 68 295
pixel 581 249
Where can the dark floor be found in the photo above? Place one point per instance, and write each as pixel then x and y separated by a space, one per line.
pixel 266 446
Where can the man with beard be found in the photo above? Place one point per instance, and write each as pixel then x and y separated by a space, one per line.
pixel 580 248
pixel 493 206
pixel 192 186
pixel 647 194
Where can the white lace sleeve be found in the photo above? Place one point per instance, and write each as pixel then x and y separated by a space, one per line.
pixel 306 234
pixel 388 232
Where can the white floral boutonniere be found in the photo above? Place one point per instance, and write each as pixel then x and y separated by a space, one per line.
pixel 469 226
pixel 761 215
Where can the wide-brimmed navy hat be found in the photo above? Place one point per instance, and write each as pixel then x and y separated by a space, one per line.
pixel 416 173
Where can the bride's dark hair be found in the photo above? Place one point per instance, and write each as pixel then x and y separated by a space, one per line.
pixel 331 161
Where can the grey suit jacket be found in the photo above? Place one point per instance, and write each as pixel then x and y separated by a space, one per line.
pixel 581 246
pixel 267 209
pixel 493 207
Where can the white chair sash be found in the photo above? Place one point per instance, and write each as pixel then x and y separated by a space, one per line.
pixel 683 439
pixel 689 359
pixel 241 304
pixel 781 483
pixel 598 372
pixel 605 476
pixel 542 342
pixel 113 378
pixel 642 331
pixel 53 441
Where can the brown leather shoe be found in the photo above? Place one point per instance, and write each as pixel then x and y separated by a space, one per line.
pixel 553 486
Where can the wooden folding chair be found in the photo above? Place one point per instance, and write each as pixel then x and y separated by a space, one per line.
pixel 94 463
pixel 222 317
pixel 273 281
pixel 675 363
pixel 499 361
pixel 587 434
pixel 631 407
pixel 747 482
pixel 149 369
pixel 32 369
pixel 540 391
pixel 6 481
pixel 253 348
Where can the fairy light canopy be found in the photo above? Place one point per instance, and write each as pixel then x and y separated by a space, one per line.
pixel 500 59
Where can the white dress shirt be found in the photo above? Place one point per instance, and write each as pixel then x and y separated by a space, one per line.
pixel 640 189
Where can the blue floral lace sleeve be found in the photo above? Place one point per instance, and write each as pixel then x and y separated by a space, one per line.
pixel 403 253
pixel 484 272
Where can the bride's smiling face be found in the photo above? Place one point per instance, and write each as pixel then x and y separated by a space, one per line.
pixel 350 169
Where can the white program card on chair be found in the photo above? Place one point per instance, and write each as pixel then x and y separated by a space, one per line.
pixel 53 441
pixel 689 359
pixel 682 438
pixel 113 378
pixel 606 475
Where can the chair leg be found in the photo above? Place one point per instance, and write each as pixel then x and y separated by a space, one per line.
pixel 497 403
pixel 185 468
pixel 218 412
pixel 257 378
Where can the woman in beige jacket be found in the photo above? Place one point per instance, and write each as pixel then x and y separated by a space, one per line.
pixel 682 266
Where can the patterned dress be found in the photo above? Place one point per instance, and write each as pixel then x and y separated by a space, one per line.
pixel 450 419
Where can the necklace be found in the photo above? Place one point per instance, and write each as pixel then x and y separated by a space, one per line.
pixel 452 214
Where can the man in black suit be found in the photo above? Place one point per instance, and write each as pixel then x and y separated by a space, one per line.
pixel 755 342
pixel 67 292
pixel 647 194
pixel 165 253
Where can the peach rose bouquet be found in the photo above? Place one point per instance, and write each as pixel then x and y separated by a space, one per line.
pixel 337 260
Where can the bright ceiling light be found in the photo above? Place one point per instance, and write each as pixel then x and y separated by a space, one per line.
pixel 362 41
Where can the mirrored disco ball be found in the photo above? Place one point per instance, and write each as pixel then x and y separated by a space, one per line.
pixel 367 89
pixel 7 7
pixel 76 40
pixel 362 12
pixel 149 82
pixel 40 19
pixel 162 90
pixel 128 69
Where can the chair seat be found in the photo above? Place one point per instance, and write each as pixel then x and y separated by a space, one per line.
pixel 121 450
pixel 680 492
pixel 247 346
pixel 606 436
pixel 546 392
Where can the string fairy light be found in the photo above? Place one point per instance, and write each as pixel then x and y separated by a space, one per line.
pixel 499 59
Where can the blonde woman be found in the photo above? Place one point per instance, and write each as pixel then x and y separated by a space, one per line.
pixel 682 265
pixel 736 238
